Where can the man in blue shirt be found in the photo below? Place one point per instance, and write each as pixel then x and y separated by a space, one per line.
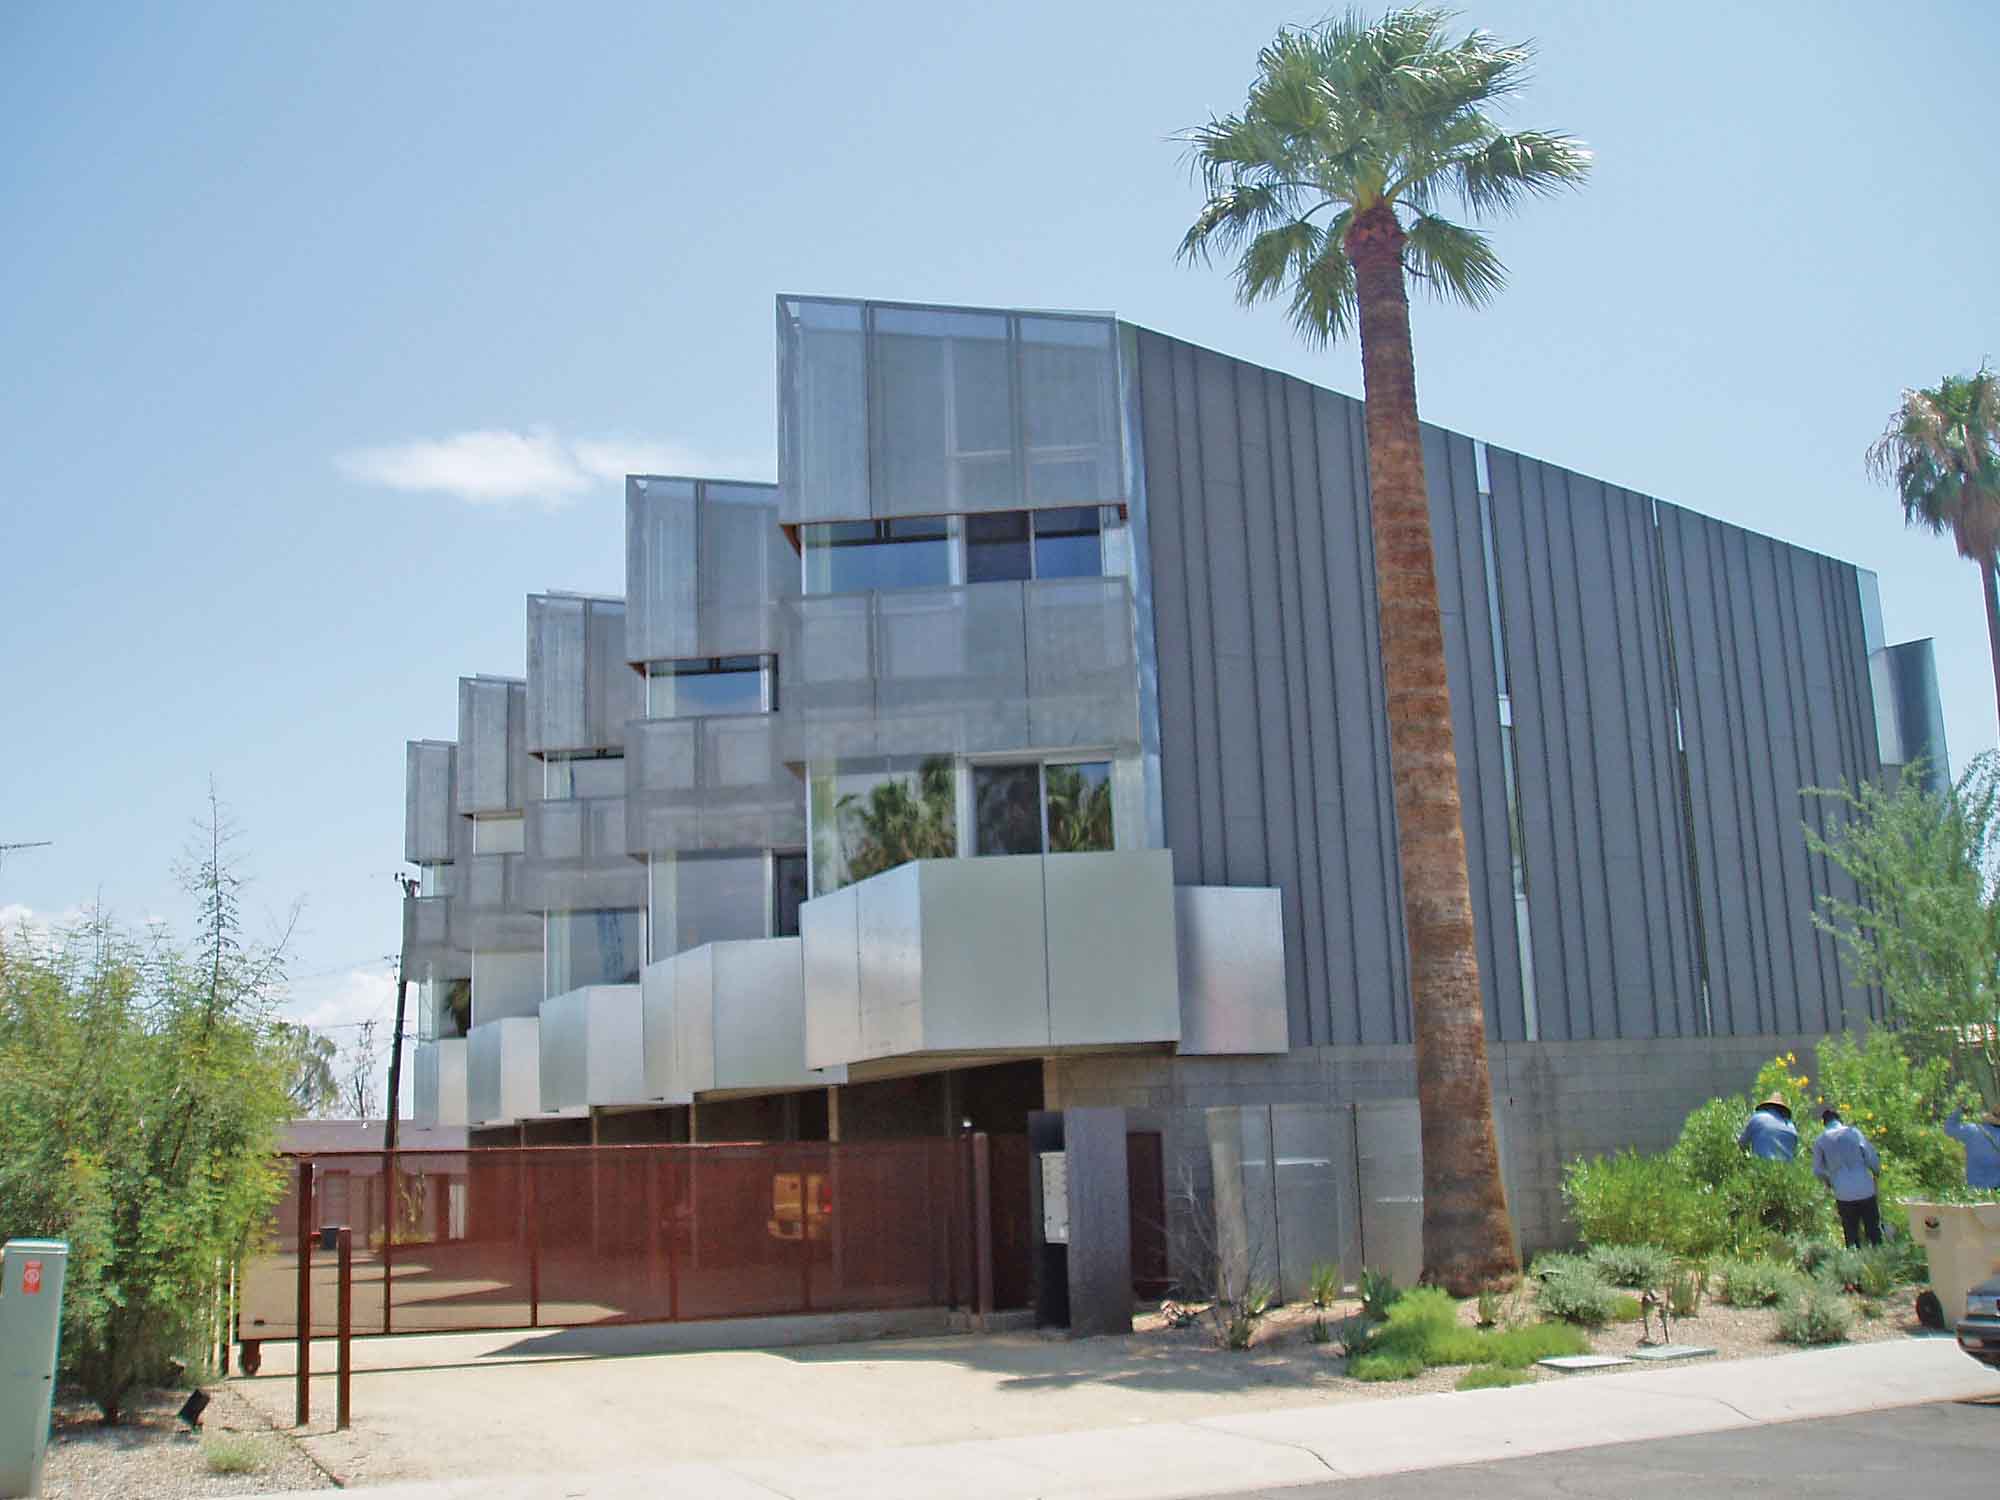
pixel 1982 1147
pixel 1845 1162
pixel 1769 1132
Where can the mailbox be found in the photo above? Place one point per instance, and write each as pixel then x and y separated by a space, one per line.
pixel 31 1287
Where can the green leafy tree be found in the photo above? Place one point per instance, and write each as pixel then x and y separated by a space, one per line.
pixel 141 1090
pixel 314 1089
pixel 1330 185
pixel 1941 454
pixel 1925 920
pixel 1079 810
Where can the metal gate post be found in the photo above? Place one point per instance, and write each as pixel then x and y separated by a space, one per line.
pixel 982 1220
pixel 392 1203
pixel 302 1379
pixel 343 1388
pixel 532 1198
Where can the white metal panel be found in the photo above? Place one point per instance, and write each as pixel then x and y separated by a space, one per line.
pixel 1112 976
pixel 694 1017
pixel 831 965
pixel 1231 942
pixel 615 1046
pixel 889 931
pixel 983 971
pixel 564 1045
pixel 660 1042
pixel 760 1039
pixel 503 1063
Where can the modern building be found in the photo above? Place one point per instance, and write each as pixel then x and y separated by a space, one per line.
pixel 1023 746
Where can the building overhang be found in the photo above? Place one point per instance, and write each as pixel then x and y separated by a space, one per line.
pixel 591 1049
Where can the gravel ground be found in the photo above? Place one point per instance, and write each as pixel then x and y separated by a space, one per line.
pixel 1733 1332
pixel 150 1457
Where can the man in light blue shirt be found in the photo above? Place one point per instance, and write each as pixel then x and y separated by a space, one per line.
pixel 1982 1147
pixel 1845 1162
pixel 1769 1132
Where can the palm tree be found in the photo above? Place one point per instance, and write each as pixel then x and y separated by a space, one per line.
pixel 1941 451
pixel 1330 181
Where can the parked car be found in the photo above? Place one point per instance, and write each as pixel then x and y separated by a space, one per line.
pixel 1979 1329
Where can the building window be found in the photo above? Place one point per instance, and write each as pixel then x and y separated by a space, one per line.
pixel 788 893
pixel 853 557
pixel 1062 807
pixel 997 549
pixel 1069 543
pixel 591 947
pixel 706 686
pixel 567 776
pixel 498 835
pixel 873 817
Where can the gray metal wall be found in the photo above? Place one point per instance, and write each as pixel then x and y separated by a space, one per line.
pixel 429 803
pixel 1775 696
pixel 1273 746
pixel 1274 750
pixel 494 775
pixel 581 690
pixel 1588 672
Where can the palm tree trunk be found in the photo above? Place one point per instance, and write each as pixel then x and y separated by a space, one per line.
pixel 1468 1237
pixel 1989 575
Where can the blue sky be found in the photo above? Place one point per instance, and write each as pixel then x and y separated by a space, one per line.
pixel 329 329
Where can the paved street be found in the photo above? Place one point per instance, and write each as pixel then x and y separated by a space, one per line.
pixel 1935 1452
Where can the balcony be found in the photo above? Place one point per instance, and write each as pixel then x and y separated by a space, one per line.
pixel 728 1017
pixel 1015 956
pixel 592 1049
pixel 439 1085
pixel 502 1071
pixel 707 784
pixel 575 857
pixel 486 913
pixel 428 953
pixel 972 668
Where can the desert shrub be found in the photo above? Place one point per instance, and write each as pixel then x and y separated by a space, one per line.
pixel 1782 1197
pixel 1908 1263
pixel 1323 1284
pixel 1877 1271
pixel 1818 1315
pixel 1755 1283
pixel 1707 1153
pixel 1379 1293
pixel 1491 1377
pixel 1488 1308
pixel 1239 1324
pixel 1630 1199
pixel 1841 1269
pixel 1685 1289
pixel 1809 1251
pixel 1385 1367
pixel 1517 1348
pixel 1626 1308
pixel 1318 1333
pixel 1350 1335
pixel 1571 1291
pixel 1897 1103
pixel 1631 1265
pixel 1422 1318
pixel 234 1455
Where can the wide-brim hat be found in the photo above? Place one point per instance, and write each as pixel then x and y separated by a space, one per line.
pixel 1776 1101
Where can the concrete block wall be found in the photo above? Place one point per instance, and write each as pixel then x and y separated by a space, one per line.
pixel 1558 1100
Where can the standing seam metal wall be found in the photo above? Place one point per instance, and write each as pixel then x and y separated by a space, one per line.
pixel 1775 696
pixel 1274 748
pixel 1590 683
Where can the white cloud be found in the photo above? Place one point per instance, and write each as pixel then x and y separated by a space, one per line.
pixel 501 466
pixel 41 927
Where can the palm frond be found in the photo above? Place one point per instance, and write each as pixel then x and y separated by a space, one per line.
pixel 1324 300
pixel 1495 176
pixel 1452 260
pixel 1940 452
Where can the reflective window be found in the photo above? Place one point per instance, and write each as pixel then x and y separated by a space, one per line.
pixel 1079 806
pixel 851 557
pixel 1069 543
pixel 996 547
pixel 788 893
pixel 1024 809
pixel 867 819
pixel 591 947
pixel 709 685
pixel 569 776
pixel 1007 809
pixel 503 835
pixel 706 898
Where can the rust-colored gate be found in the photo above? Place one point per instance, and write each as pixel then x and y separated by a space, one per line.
pixel 504 1237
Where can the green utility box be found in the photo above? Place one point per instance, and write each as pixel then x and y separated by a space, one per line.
pixel 31 1288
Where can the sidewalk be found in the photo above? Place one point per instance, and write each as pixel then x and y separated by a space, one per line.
pixel 1296 1445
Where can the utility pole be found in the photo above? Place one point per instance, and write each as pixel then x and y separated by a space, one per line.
pixel 389 1130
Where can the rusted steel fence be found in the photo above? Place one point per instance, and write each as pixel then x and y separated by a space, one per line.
pixel 498 1237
